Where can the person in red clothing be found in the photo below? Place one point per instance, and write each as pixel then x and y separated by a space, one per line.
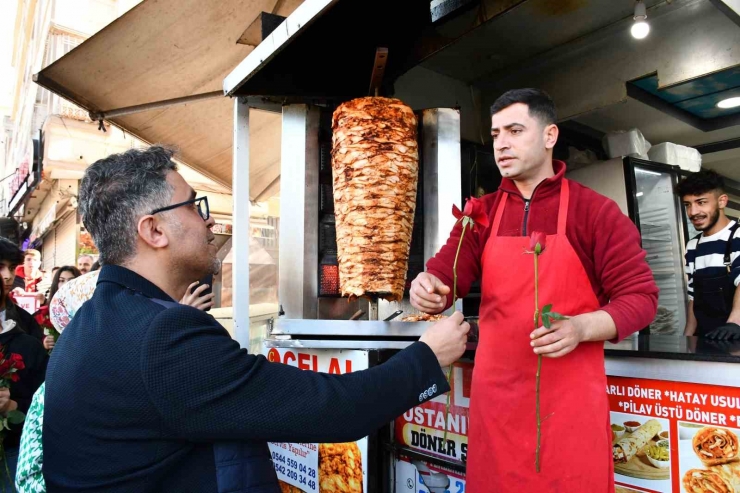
pixel 29 274
pixel 592 269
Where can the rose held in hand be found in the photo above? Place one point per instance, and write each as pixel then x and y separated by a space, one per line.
pixel 537 244
pixel 474 214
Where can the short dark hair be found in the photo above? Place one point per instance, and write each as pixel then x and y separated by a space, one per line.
pixel 10 252
pixel 95 266
pixel 699 183
pixel 55 280
pixel 540 104
pixel 116 191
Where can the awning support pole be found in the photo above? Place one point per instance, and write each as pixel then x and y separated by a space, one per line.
pixel 240 233
pixel 129 110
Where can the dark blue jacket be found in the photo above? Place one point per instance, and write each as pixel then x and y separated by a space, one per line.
pixel 137 395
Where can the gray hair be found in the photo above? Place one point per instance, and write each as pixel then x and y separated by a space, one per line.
pixel 116 191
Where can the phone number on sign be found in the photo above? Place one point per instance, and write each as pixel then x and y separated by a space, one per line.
pixel 294 470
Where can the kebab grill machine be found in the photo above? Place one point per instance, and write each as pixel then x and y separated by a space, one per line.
pixel 367 189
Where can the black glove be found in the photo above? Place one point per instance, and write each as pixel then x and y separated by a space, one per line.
pixel 727 332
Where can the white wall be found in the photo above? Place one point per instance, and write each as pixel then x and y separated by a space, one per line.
pixel 606 178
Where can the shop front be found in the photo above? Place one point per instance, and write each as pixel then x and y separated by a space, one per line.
pixel 617 87
pixel 667 393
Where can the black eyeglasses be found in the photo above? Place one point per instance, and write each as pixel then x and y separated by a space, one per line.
pixel 201 202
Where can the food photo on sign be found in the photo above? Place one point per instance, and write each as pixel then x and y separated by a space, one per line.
pixel 709 458
pixel 321 467
pixel 641 451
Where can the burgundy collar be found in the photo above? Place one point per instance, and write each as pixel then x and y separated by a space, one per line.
pixel 549 185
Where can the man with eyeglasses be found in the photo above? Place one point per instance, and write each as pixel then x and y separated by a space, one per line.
pixel 146 395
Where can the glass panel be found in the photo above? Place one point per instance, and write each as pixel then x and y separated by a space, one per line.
pixel 659 224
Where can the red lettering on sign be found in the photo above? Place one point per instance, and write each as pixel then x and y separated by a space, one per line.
pixel 315 361
pixel 334 367
pixel 348 366
pixel 289 356
pixel 303 361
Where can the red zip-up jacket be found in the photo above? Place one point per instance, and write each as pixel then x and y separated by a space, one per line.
pixel 605 240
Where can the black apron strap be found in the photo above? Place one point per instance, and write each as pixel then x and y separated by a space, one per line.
pixel 728 248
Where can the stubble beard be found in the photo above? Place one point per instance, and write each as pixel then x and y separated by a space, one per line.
pixel 713 218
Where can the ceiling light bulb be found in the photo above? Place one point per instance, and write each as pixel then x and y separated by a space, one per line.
pixel 729 103
pixel 640 28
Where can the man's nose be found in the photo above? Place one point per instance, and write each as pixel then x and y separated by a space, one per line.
pixel 210 222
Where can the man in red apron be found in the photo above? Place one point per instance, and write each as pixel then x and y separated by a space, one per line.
pixel 592 269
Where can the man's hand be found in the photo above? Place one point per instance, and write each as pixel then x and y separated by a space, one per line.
pixel 561 338
pixel 4 399
pixel 194 298
pixel 428 293
pixel 49 342
pixel 447 338
pixel 728 332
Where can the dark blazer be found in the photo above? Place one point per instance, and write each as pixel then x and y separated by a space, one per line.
pixel 138 393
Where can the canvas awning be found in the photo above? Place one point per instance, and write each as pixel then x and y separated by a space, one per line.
pixel 166 49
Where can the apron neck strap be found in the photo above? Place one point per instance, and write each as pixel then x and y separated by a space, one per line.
pixel 562 210
pixel 499 213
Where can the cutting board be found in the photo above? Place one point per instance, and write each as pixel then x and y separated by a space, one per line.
pixel 640 467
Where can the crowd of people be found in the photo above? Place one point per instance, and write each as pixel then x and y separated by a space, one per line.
pixel 27 335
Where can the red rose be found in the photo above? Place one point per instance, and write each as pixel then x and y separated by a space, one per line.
pixel 474 210
pixel 20 365
pixel 16 357
pixel 14 377
pixel 537 242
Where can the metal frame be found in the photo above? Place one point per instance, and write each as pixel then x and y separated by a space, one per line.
pixel 348 328
pixel 442 180
pixel 240 233
pixel 299 212
pixel 675 172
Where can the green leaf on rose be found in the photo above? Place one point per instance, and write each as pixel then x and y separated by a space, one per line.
pixel 546 320
pixel 557 316
pixel 16 417
pixel 547 308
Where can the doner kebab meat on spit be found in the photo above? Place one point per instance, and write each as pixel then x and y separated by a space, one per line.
pixel 375 168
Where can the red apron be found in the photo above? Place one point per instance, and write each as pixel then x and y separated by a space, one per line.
pixel 575 454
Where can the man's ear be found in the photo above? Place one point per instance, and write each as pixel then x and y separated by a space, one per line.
pixel 723 200
pixel 551 136
pixel 151 231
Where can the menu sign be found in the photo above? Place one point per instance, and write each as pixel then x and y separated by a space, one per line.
pixel 674 436
pixel 321 467
pixel 423 427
